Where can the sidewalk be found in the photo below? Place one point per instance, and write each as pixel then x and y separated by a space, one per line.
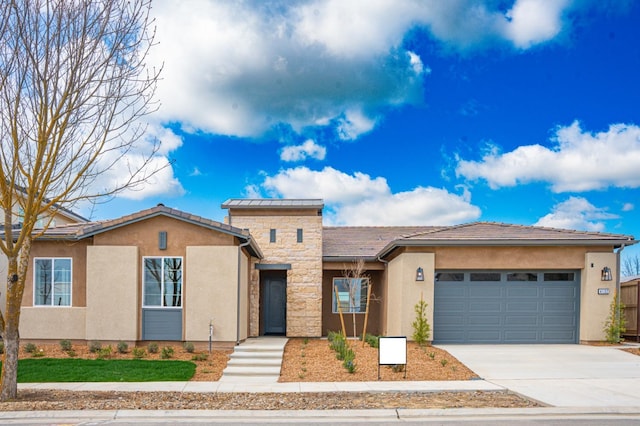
pixel 257 387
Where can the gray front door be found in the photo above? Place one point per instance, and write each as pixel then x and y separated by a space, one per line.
pixel 274 305
pixel 506 307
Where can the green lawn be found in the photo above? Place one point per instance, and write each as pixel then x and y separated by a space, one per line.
pixel 43 370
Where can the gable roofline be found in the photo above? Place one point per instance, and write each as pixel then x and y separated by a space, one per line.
pixel 87 230
pixel 57 208
pixel 512 235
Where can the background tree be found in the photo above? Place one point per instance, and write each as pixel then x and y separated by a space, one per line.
pixel 630 265
pixel 74 85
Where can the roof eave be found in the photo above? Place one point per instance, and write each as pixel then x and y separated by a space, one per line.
pixel 616 243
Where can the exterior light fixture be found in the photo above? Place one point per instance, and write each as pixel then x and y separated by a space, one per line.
pixel 419 274
pixel 606 274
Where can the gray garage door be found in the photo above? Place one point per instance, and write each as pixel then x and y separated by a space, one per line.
pixel 506 307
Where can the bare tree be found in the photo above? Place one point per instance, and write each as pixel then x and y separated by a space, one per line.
pixel 74 85
pixel 630 265
pixel 357 286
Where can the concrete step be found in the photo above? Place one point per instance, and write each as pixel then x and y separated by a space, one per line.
pixel 256 359
pixel 251 371
pixel 255 362
pixel 259 355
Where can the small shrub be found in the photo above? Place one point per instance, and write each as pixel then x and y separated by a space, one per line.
pixel 123 347
pixel 398 368
pixel 71 353
pixel 189 347
pixel 200 357
pixel 152 348
pixel 95 346
pixel 421 328
pixel 38 353
pixel 167 352
pixel 373 341
pixel 616 323
pixel 444 362
pixel 350 366
pixel 432 355
pixel 65 345
pixel 30 348
pixel 104 353
pixel 138 353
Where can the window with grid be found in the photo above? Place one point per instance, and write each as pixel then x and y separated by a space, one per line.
pixel 162 281
pixel 52 282
pixel 351 293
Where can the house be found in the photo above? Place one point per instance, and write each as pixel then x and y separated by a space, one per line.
pixel 273 269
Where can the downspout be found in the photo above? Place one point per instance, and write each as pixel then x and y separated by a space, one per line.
pixel 386 302
pixel 246 243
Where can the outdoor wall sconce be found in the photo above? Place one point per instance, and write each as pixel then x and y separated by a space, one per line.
pixel 419 274
pixel 606 274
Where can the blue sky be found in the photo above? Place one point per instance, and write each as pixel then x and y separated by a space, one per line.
pixel 401 112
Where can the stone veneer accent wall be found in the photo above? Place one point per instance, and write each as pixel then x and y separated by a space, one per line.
pixel 304 279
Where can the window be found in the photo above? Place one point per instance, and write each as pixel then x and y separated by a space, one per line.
pixel 52 282
pixel 522 276
pixel 299 235
pixel 272 235
pixel 351 293
pixel 558 276
pixel 162 281
pixel 484 276
pixel 449 276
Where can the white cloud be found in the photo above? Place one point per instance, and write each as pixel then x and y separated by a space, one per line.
pixel 627 207
pixel 156 165
pixel 576 213
pixel 579 161
pixel 534 21
pixel 309 149
pixel 240 68
pixel 359 199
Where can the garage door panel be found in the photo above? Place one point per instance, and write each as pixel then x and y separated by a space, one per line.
pixel 531 306
pixel 524 292
pixel 558 320
pixel 480 320
pixel 484 306
pixel 507 311
pixel 520 320
pixel 559 306
pixel 484 291
pixel 559 291
pixel 519 336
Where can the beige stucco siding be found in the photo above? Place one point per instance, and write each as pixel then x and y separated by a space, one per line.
pixel 404 291
pixel 594 307
pixel 479 257
pixel 53 323
pixel 112 293
pixel 211 289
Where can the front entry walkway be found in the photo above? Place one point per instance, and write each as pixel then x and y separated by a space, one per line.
pixel 256 360
pixel 558 375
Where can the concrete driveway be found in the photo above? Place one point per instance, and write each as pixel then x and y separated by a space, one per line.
pixel 558 375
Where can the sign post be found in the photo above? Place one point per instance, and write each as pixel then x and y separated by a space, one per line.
pixel 392 351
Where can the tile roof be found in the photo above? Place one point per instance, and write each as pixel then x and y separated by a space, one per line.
pixel 367 241
pixel 78 231
pixel 372 242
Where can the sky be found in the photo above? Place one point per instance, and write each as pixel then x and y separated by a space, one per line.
pixel 395 112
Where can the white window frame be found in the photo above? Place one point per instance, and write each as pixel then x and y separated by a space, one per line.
pixel 53 284
pixel 162 285
pixel 360 295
